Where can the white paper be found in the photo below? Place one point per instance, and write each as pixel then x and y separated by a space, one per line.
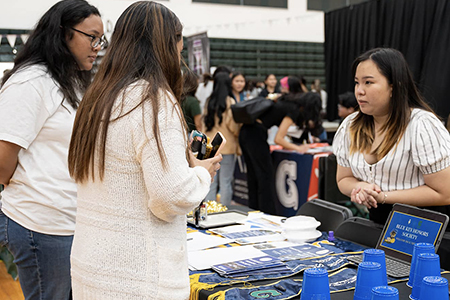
pixel 205 259
pixel 199 241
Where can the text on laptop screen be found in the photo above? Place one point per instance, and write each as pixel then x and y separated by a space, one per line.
pixel 405 230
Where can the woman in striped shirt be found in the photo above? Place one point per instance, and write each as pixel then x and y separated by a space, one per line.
pixel 394 150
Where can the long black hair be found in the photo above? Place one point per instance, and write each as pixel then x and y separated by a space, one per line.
pixel 312 105
pixel 47 46
pixel 295 85
pixel 295 90
pixel 144 46
pixel 217 102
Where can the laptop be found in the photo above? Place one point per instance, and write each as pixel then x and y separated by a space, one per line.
pixel 405 226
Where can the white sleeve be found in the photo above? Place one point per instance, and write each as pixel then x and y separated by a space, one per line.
pixel 176 189
pixel 22 113
pixel 430 145
pixel 341 143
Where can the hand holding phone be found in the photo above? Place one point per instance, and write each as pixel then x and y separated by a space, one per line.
pixel 212 165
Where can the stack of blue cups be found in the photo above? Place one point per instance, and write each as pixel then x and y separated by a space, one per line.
pixel 315 285
pixel 369 276
pixel 418 248
pixel 377 255
pixel 434 287
pixel 427 265
pixel 384 293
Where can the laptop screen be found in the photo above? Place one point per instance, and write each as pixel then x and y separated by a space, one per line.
pixel 407 226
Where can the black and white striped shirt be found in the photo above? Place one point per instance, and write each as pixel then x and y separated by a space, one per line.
pixel 423 149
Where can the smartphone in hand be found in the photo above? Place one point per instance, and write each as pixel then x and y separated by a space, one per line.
pixel 217 144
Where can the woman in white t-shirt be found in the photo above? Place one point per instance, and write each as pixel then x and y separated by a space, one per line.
pixel 394 150
pixel 38 100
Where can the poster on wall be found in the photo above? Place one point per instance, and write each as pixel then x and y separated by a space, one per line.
pixel 198 53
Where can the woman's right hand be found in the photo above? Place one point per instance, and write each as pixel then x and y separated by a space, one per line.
pixel 210 164
pixel 359 195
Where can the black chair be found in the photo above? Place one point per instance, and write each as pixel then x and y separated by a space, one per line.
pixel 329 214
pixel 328 188
pixel 359 230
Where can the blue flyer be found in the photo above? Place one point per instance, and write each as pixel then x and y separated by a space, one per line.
pixel 297 252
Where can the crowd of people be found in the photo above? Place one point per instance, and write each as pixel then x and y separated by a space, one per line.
pixel 227 88
pixel 98 171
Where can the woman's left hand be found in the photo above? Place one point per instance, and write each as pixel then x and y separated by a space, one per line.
pixel 376 196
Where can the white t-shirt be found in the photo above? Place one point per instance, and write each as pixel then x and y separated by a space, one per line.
pixel 41 195
pixel 203 92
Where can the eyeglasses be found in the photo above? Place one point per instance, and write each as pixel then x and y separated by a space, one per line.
pixel 95 41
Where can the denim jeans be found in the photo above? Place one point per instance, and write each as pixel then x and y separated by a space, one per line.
pixel 223 181
pixel 43 260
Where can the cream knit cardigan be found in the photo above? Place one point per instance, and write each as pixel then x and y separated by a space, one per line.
pixel 130 234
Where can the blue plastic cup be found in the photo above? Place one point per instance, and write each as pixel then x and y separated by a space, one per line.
pixel 384 293
pixel 315 285
pixel 418 248
pixel 377 255
pixel 434 287
pixel 369 276
pixel 427 265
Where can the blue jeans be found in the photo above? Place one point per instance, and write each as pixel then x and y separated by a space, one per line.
pixel 223 181
pixel 43 260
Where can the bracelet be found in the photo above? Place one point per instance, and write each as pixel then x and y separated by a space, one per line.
pixel 385 197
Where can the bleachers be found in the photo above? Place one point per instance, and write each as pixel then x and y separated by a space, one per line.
pixel 257 58
pixel 254 58
pixel 8 53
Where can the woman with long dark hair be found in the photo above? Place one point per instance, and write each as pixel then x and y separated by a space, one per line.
pixel 136 178
pixel 394 149
pixel 38 100
pixel 256 150
pixel 219 117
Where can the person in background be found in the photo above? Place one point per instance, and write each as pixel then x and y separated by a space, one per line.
pixel 306 129
pixel 204 89
pixel 347 104
pixel 315 87
pixel 291 85
pixel 270 86
pixel 189 104
pixel 221 69
pixel 288 85
pixel 394 149
pixel 253 139
pixel 250 90
pixel 237 86
pixel 303 84
pixel 313 129
pixel 219 117
pixel 39 99
pixel 136 178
